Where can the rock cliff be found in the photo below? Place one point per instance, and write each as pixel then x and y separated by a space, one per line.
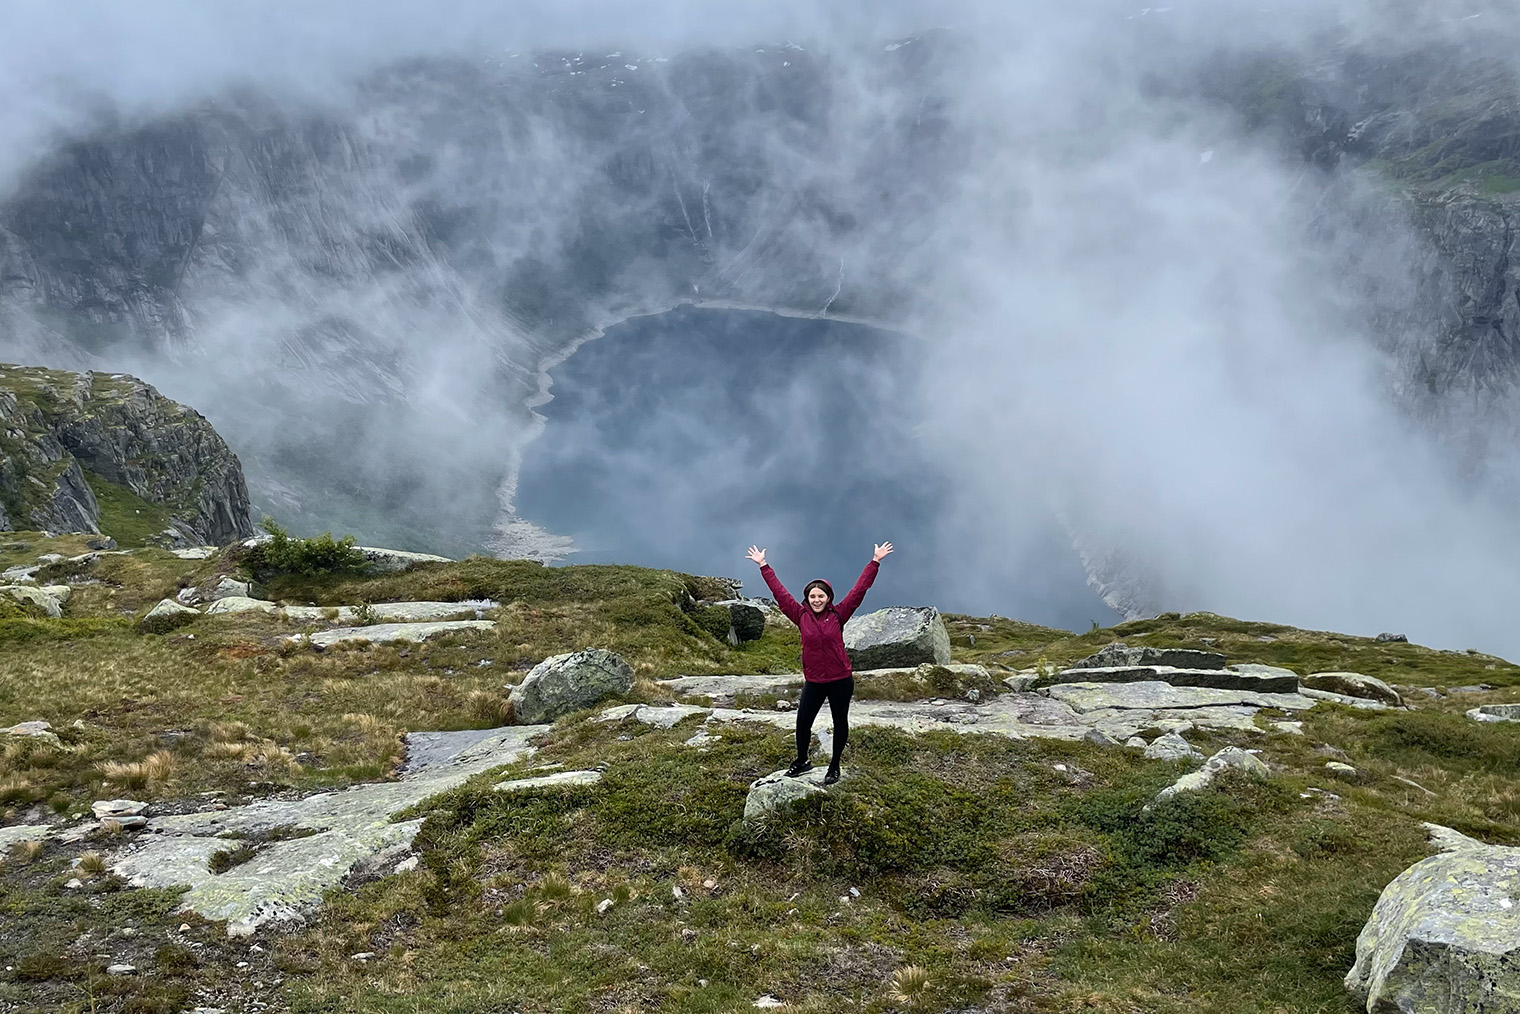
pixel 66 435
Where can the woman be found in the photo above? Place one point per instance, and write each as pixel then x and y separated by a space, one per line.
pixel 825 665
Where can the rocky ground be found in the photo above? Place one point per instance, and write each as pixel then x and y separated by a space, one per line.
pixel 324 794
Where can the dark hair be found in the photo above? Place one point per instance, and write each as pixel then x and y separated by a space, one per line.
pixel 828 590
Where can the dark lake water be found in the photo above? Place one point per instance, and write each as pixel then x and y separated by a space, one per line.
pixel 678 440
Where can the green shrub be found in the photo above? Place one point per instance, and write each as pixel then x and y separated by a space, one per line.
pixel 307 557
pixel 715 620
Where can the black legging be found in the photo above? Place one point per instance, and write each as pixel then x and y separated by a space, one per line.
pixel 838 694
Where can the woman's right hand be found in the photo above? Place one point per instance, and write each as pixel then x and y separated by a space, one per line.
pixel 757 554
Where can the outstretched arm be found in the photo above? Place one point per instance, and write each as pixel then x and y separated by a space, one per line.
pixel 851 602
pixel 784 601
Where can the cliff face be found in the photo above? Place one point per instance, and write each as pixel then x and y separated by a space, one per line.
pixel 63 433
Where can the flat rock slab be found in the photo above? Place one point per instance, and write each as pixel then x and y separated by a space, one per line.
pixel 240 604
pixel 731 686
pixel 1157 695
pixel 393 612
pixel 1354 684
pixel 662 716
pixel 1495 713
pixel 17 833
pixel 286 879
pixel 195 553
pixel 392 561
pixel 1444 935
pixel 379 633
pixel 1367 704
pixel 1217 679
pixel 558 779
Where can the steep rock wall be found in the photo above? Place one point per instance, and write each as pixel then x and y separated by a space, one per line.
pixel 55 427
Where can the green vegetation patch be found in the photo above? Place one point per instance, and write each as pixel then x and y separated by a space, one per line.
pixel 125 516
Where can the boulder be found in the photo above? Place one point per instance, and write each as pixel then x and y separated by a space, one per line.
pixel 1231 757
pixel 1354 684
pixel 1444 935
pixel 565 683
pixel 1172 747
pixel 1021 682
pixel 1392 638
pixel 1099 738
pixel 166 616
pixel 239 604
pixel 748 620
pixel 1341 769
pixel 776 790
pixel 100 542
pixel 60 593
pixel 393 561
pixel 1120 654
pixel 897 637
pixel 32 599
pixel 37 729
pixel 229 587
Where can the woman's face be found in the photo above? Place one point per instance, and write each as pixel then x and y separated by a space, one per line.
pixel 817 599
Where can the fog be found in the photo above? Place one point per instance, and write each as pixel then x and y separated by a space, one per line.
pixel 1139 319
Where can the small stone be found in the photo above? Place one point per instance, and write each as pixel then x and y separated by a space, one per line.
pixel 1340 769
pixel 184 927
pixel 1136 742
pixel 710 884
pixel 406 865
pixel 241 964
pixel 782 704
pixel 73 883
pixel 1100 738
pixel 974 695
pixel 103 808
pixel 603 905
pixel 121 969
pixel 769 1001
pixel 361 956
pixel 676 892
pixel 855 892
pixel 1172 747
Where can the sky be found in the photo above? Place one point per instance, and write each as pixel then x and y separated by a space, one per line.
pixel 1143 322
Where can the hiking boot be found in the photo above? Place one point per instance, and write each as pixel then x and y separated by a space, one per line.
pixel 798 767
pixel 832 775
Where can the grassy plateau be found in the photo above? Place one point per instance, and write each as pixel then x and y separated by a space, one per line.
pixel 948 872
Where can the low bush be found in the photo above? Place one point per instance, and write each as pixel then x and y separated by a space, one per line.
pixel 313 557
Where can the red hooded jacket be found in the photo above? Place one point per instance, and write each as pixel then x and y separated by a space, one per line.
pixel 823 656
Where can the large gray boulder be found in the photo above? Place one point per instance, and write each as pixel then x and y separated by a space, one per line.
pixel 32 599
pixel 166 616
pixel 1445 934
pixel 566 683
pixel 897 637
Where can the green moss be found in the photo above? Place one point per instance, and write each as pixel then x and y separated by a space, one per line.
pixel 125 516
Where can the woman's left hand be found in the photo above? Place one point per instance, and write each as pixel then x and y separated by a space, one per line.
pixel 881 551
